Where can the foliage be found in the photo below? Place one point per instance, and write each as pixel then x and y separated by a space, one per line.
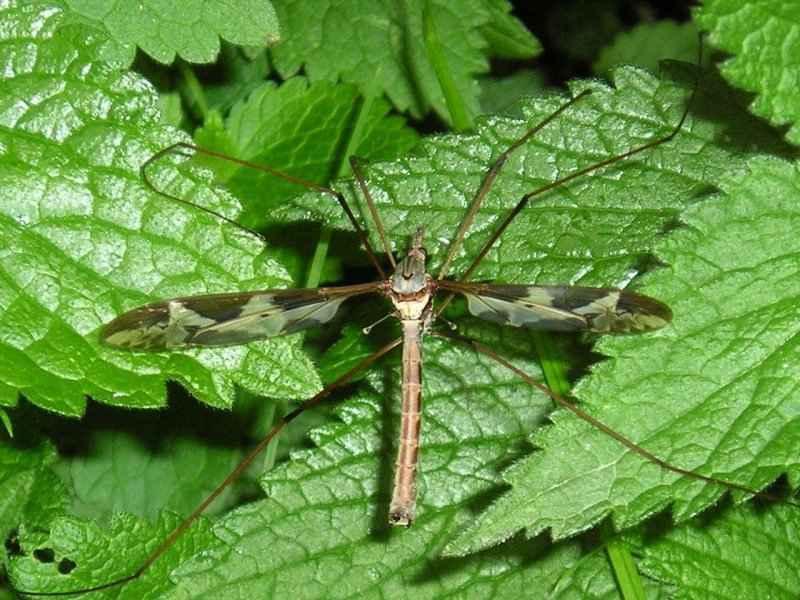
pixel 712 213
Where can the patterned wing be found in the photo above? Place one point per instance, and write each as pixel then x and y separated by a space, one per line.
pixel 563 308
pixel 227 319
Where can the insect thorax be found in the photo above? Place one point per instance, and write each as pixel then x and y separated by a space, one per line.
pixel 410 288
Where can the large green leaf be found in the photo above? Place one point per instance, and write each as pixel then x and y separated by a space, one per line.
pixel 714 393
pixel 589 232
pixel 83 239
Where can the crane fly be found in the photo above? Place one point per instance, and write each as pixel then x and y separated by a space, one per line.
pixel 242 317
pixel 237 318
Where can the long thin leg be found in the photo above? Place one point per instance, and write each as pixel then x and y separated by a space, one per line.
pixel 488 181
pixel 179 146
pixel 355 166
pixel 523 202
pixel 233 476
pixel 625 441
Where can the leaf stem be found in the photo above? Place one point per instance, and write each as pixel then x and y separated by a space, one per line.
pixel 343 168
pixel 553 364
pixel 459 114
pixel 320 253
pixel 193 90
pixel 625 572
pixel 7 423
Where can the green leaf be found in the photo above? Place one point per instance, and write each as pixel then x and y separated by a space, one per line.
pixel 9 427
pixel 171 109
pixel 739 535
pixel 143 463
pixel 83 239
pixel 380 47
pixel 507 36
pixel 324 521
pixel 301 129
pixel 713 393
pixel 190 29
pixel 241 75
pixel 589 232
pixel 502 94
pixel 29 489
pixel 761 37
pixel 60 558
pixel 648 44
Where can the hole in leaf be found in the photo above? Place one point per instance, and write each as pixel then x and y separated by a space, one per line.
pixel 65 566
pixel 45 555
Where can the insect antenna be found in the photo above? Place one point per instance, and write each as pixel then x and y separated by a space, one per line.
pixel 181 147
pixel 594 422
pixel 233 476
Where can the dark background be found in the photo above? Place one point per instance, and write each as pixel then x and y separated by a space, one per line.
pixel 572 32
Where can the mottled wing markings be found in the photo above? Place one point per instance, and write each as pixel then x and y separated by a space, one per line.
pixel 563 308
pixel 226 319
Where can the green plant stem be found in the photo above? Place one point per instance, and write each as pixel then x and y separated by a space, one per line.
pixel 194 91
pixel 7 423
pixel 554 368
pixel 323 242
pixel 320 254
pixel 625 572
pixel 456 106
pixel 553 364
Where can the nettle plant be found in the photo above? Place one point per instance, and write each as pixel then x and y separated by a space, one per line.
pixel 515 496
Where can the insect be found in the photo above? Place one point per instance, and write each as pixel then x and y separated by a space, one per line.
pixel 235 318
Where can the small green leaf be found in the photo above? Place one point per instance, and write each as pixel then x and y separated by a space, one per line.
pixel 762 37
pixel 649 43
pixel 190 29
pixel 300 129
pixel 9 426
pixel 29 489
pixel 507 36
pixel 351 348
pixel 241 75
pixel 502 94
pixel 171 109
